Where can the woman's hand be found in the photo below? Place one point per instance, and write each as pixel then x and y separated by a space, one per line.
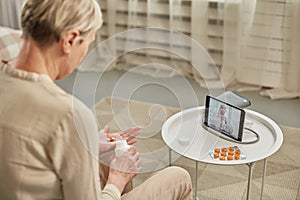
pixel 124 168
pixel 128 134
pixel 107 139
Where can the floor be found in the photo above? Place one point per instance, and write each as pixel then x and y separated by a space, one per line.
pixel 91 87
pixel 282 180
pixel 214 182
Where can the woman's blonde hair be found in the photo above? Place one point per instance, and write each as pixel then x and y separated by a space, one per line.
pixel 47 20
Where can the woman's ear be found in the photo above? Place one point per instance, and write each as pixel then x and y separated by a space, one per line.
pixel 68 40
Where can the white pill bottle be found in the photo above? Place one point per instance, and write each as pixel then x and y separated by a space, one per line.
pixel 121 147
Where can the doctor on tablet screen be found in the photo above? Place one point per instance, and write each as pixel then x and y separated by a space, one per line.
pixel 220 122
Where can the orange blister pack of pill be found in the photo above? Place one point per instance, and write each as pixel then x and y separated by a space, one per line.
pixel 227 153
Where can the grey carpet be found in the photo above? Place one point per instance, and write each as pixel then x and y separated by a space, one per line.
pixel 217 182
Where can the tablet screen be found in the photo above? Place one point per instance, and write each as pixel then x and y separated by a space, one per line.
pixel 224 118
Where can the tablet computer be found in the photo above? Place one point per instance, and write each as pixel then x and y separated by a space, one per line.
pixel 224 118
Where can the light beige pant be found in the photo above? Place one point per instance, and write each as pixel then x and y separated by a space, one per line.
pixel 171 183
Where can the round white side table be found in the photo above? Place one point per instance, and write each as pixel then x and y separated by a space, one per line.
pixel 183 133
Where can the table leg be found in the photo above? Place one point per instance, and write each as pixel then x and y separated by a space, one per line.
pixel 250 165
pixel 170 156
pixel 196 182
pixel 263 178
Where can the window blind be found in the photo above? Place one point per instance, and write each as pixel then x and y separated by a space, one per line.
pixel 122 15
pixel 263 45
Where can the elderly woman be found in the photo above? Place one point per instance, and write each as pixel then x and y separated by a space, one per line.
pixel 49 140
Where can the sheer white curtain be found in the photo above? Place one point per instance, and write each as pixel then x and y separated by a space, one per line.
pixel 254 43
pixel 208 37
pixel 173 53
pixel 160 61
pixel 158 58
pixel 10 13
pixel 290 81
pixel 261 46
